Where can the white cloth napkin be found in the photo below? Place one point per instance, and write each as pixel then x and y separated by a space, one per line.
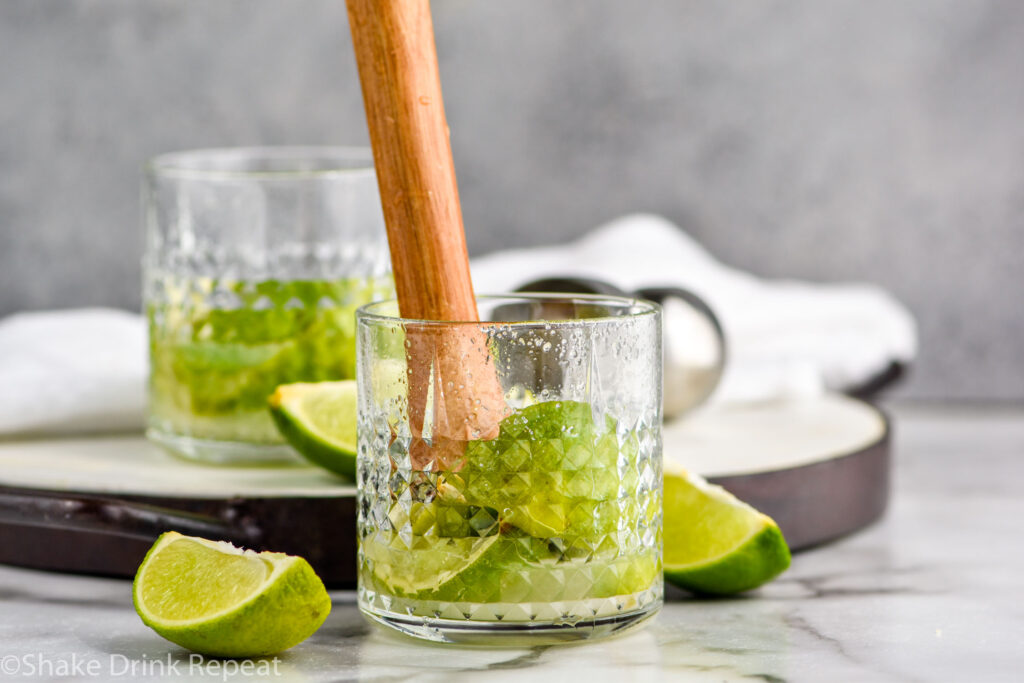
pixel 785 338
pixel 72 371
pixel 84 370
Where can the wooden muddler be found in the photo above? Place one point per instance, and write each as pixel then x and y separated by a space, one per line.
pixel 397 59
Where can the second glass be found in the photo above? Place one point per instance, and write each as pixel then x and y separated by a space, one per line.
pixel 256 260
pixel 548 526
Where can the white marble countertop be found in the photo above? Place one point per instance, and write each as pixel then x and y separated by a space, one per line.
pixel 934 592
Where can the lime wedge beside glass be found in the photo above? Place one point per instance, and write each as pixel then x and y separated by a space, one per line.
pixel 714 543
pixel 318 419
pixel 215 599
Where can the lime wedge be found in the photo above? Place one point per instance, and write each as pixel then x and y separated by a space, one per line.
pixel 213 598
pixel 714 543
pixel 450 569
pixel 319 420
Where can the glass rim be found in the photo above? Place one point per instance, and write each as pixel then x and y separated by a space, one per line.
pixel 215 163
pixel 639 308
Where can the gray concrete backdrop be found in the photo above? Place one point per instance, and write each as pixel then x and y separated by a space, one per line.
pixel 840 140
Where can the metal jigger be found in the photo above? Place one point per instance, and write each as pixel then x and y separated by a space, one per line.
pixel 694 345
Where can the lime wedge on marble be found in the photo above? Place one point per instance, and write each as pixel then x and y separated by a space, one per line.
pixel 318 419
pixel 714 543
pixel 215 599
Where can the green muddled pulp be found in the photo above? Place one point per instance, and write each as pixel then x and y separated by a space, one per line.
pixel 218 349
pixel 556 508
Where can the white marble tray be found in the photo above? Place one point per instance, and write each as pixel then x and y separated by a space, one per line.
pixel 717 442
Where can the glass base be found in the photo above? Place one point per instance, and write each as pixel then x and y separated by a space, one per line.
pixel 511 634
pixel 213 452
